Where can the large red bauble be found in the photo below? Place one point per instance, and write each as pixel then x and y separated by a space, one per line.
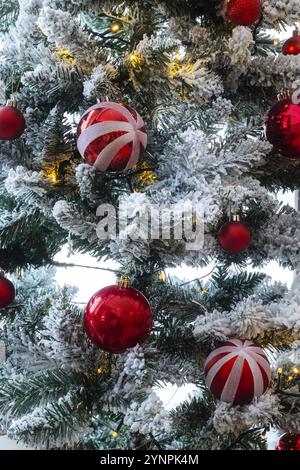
pixel 7 292
pixel 292 46
pixel 288 441
pixel 102 128
pixel 12 123
pixel 283 128
pixel 244 12
pixel 117 318
pixel 234 237
pixel 237 372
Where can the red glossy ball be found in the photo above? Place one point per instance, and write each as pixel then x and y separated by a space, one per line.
pixel 96 116
pixel 283 129
pixel 234 237
pixel 288 441
pixel 12 123
pixel 244 12
pixel 237 372
pixel 7 292
pixel 292 46
pixel 117 318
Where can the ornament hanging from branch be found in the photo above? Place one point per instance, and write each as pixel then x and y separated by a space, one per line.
pixel 7 291
pixel 283 128
pixel 234 236
pixel 244 12
pixel 292 45
pixel 12 121
pixel 111 137
pixel 118 317
pixel 237 372
pixel 288 441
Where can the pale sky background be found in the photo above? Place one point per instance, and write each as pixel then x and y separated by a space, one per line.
pixel 89 281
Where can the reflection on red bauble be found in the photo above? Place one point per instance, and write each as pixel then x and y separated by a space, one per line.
pixel 12 123
pixel 111 136
pixel 283 128
pixel 117 318
pixel 234 237
pixel 244 12
pixel 288 441
pixel 237 372
pixel 292 45
pixel 7 291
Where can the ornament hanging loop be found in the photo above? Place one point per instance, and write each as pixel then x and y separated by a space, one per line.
pixel 236 218
pixel 283 94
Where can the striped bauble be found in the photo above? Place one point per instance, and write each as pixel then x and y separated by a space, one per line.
pixel 237 372
pixel 111 136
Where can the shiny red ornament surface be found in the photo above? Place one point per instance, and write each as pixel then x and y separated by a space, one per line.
pixel 12 123
pixel 292 46
pixel 96 116
pixel 234 237
pixel 117 318
pixel 288 441
pixel 237 372
pixel 7 292
pixel 244 12
pixel 283 129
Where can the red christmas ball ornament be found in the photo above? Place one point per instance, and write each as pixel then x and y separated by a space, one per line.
pixel 283 128
pixel 12 122
pixel 237 372
pixel 244 12
pixel 234 236
pixel 292 45
pixel 111 137
pixel 288 441
pixel 117 318
pixel 7 291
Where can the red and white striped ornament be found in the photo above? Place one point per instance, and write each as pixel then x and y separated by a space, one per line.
pixel 111 136
pixel 237 372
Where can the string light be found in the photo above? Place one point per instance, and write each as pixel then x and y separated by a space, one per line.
pixel 114 434
pixel 116 26
pixel 296 371
pixel 162 277
pixel 276 42
pixel 279 371
pixel 100 370
pixel 51 173
pixel 147 177
pixel 65 56
pixel 136 60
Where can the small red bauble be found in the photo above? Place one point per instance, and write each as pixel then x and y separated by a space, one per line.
pixel 244 12
pixel 12 123
pixel 292 45
pixel 283 128
pixel 117 318
pixel 234 237
pixel 7 291
pixel 111 137
pixel 237 372
pixel 288 441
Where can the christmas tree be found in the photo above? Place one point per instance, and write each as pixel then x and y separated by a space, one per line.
pixel 189 105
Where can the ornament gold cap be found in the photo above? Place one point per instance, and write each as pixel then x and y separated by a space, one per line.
pixel 2 274
pixel 123 281
pixel 236 218
pixel 296 32
pixel 284 93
